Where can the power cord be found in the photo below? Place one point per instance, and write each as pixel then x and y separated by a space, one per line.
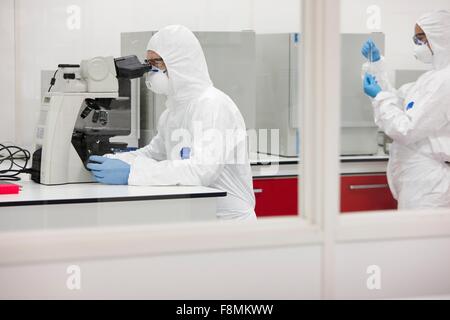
pixel 16 160
pixel 53 80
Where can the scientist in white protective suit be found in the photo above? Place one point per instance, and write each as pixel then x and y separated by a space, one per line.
pixel 201 138
pixel 417 117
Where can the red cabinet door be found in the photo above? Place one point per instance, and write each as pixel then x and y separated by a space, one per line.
pixel 366 193
pixel 276 197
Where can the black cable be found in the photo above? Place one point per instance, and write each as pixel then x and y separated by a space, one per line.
pixel 16 160
pixel 53 80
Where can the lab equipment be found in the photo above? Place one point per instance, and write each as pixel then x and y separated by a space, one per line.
pixel 9 188
pixel 359 133
pixel 372 54
pixel 370 51
pixel 278 102
pixel 109 171
pixel 13 161
pixel 418 174
pixel 74 120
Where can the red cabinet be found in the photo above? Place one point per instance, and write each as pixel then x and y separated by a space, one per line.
pixel 279 196
pixel 276 197
pixel 366 193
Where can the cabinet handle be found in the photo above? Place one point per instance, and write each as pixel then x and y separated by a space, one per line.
pixel 256 191
pixel 369 186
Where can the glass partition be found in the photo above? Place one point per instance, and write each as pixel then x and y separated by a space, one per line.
pixel 69 106
pixel 386 163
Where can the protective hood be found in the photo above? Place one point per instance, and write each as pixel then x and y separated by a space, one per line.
pixel 185 62
pixel 436 26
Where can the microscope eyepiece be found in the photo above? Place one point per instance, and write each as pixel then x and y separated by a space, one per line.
pixel 130 67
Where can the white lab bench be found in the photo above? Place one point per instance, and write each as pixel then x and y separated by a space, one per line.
pixel 93 205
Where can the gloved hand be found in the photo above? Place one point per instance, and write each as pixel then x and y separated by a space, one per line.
pixel 109 171
pixel 370 51
pixel 371 86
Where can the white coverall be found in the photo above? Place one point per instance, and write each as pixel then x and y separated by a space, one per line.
pixel 204 120
pixel 417 118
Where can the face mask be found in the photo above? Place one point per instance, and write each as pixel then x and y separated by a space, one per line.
pixel 423 54
pixel 158 82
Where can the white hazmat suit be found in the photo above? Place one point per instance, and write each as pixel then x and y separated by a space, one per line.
pixel 201 138
pixel 417 118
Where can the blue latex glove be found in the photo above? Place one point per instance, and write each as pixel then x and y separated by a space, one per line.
pixel 370 51
pixel 109 171
pixel 371 86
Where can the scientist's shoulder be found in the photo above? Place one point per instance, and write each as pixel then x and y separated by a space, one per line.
pixel 215 99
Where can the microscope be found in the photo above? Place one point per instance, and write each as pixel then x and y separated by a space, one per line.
pixel 74 121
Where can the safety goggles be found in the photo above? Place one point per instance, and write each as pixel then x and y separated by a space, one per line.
pixel 420 39
pixel 158 62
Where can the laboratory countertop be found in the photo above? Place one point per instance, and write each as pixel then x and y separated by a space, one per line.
pixel 267 166
pixel 35 194
pixel 263 159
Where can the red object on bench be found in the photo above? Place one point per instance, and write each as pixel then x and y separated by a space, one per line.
pixel 9 188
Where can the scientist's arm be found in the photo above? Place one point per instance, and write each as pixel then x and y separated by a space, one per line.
pixel 376 68
pixel 381 76
pixel 208 156
pixel 375 65
pixel 423 117
pixel 156 150
pixel 379 70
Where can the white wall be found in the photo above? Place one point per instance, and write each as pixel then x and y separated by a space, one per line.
pixel 7 75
